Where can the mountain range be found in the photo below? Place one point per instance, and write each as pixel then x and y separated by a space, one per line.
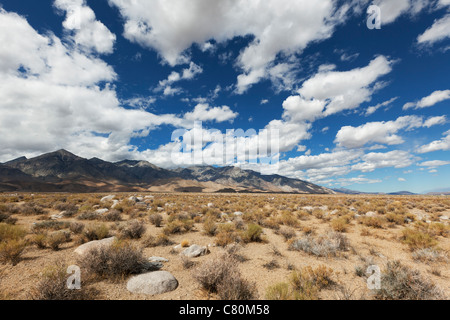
pixel 62 171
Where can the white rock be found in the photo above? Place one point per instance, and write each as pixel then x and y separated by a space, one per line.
pixel 371 214
pixel 85 248
pixel 115 204
pixel 152 283
pixel 107 198
pixel 238 213
pixel 101 211
pixel 195 251
pixel 334 212
pixel 443 217
pixel 158 259
pixel 210 205
pixel 133 199
pixel 58 216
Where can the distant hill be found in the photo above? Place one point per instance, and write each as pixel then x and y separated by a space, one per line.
pixel 445 193
pixel 348 191
pixel 441 191
pixel 64 171
pixel 402 193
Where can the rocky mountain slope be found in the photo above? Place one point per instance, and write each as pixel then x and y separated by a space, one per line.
pixel 64 171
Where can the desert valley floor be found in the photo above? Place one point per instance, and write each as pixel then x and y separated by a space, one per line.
pixel 280 246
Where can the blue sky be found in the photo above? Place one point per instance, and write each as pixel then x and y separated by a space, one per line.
pixel 360 108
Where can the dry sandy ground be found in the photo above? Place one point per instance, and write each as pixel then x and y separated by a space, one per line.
pixel 17 282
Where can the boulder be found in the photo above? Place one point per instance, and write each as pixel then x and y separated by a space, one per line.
pixel 152 283
pixel 85 248
pixel 195 251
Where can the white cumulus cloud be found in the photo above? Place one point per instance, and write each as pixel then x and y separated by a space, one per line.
pixel 88 32
pixel 278 26
pixel 429 101
pixel 439 31
pixel 376 132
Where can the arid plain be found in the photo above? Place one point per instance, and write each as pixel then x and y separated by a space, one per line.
pixel 225 246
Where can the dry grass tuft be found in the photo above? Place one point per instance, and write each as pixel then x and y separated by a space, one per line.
pixel 328 245
pixel 221 275
pixel 400 283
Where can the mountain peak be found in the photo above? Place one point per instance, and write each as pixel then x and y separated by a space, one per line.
pixel 63 154
pixel 16 160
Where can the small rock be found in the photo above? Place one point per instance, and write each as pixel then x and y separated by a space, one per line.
pixel 85 248
pixel 58 216
pixel 158 259
pixel 115 204
pixel 195 251
pixel 334 212
pixel 210 205
pixel 152 283
pixel 238 213
pixel 107 198
pixel 152 266
pixel 443 218
pixel 133 199
pixel 371 214
pixel 101 211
